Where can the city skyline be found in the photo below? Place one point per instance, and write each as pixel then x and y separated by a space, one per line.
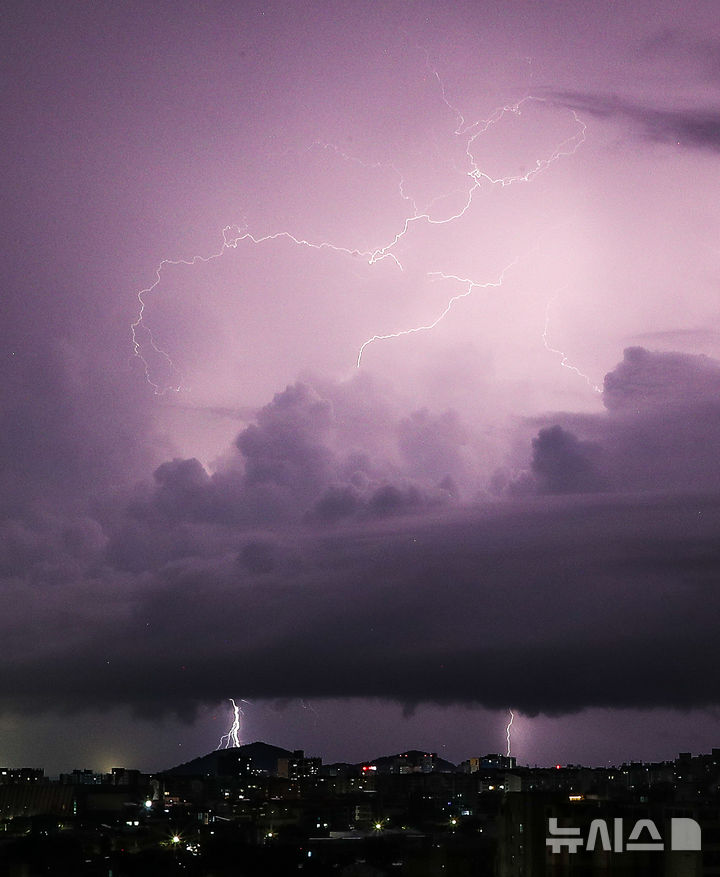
pixel 263 756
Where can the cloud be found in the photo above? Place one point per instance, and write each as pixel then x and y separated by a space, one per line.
pixel 71 427
pixel 371 582
pixel 563 464
pixel 647 381
pixel 258 556
pixel 694 128
pixel 286 447
pixel 299 459
pixel 553 606
pixel 660 431
pixel 433 444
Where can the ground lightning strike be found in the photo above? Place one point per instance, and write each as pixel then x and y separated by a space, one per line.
pixel 507 732
pixel 232 738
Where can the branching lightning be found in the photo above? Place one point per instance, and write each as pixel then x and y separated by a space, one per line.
pixel 464 281
pixel 232 236
pixel 476 178
pixel 232 738
pixel 507 732
pixel 563 358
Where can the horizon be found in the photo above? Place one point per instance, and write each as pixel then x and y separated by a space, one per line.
pixel 455 765
pixel 316 753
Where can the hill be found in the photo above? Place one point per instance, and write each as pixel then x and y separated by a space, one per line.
pixel 264 757
pixel 414 759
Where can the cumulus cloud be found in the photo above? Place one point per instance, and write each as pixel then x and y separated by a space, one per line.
pixel 647 381
pixel 564 464
pixel 286 447
pixel 297 460
pixel 660 431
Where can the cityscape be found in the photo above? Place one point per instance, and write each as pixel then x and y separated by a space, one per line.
pixel 259 809
pixel 360 359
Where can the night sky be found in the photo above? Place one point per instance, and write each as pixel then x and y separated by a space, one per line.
pixel 360 361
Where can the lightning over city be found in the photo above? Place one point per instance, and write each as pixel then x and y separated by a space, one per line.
pixel 360 358
pixel 232 738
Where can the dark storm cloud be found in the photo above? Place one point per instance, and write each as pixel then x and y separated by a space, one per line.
pixel 550 605
pixel 367 587
pixel 693 127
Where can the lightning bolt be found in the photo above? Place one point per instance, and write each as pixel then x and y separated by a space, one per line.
pixel 233 235
pixel 563 358
pixel 464 281
pixel 310 708
pixel 232 739
pixel 476 178
pixel 507 732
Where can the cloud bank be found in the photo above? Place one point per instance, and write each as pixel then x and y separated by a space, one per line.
pixel 332 555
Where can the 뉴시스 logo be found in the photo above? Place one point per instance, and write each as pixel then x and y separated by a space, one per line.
pixel 684 835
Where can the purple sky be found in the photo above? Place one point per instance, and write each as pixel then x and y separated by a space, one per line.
pixel 513 500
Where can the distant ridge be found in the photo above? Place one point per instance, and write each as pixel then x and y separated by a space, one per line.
pixel 264 757
pixel 414 758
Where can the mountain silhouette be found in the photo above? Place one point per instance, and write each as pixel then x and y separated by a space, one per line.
pixel 264 757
